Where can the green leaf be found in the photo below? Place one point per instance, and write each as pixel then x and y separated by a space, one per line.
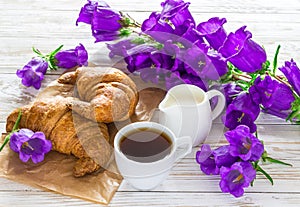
pixel 53 53
pixel 259 169
pixel 37 52
pixel 275 59
pixel 272 160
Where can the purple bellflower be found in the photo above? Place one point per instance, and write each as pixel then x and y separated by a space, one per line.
pixel 223 157
pixel 242 110
pixel 105 22
pixel 187 34
pixel 72 57
pixel 244 144
pixel 160 30
pixel 33 72
pixel 87 11
pixel 237 177
pixel 213 31
pixel 30 145
pixel 176 11
pixel 269 93
pixel 139 57
pixel 199 61
pixel 206 160
pixel 242 52
pixel 292 73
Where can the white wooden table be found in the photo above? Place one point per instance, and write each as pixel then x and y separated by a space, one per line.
pixel 47 24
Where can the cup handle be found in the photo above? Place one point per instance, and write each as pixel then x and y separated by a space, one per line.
pixel 185 141
pixel 221 102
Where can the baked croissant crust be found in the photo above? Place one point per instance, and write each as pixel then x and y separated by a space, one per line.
pixel 71 114
pixel 104 94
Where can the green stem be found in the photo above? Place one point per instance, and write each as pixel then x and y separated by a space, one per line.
pixel 15 129
pixel 259 169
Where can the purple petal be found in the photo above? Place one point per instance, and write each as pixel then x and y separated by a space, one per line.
pixel 24 157
pixel 37 158
pixel 82 55
pixel 106 19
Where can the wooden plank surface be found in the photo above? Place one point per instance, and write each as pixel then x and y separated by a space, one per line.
pixel 47 24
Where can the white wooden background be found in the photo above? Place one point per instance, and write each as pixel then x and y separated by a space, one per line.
pixel 47 24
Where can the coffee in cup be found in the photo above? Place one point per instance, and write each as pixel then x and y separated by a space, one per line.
pixel 146 151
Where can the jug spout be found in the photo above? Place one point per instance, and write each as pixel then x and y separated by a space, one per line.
pixel 167 102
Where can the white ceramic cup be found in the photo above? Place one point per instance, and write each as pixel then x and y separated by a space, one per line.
pixel 186 111
pixel 148 175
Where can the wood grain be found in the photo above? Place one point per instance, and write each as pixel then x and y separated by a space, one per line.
pixel 47 24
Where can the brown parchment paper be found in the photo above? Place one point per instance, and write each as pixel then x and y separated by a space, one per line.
pixel 55 172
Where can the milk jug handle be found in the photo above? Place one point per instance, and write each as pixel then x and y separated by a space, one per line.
pixel 221 102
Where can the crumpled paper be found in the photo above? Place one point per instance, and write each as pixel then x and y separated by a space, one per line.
pixel 55 172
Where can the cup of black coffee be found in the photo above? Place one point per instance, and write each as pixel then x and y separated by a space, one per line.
pixel 146 151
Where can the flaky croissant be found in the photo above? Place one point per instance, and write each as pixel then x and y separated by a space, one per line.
pixel 104 94
pixel 69 131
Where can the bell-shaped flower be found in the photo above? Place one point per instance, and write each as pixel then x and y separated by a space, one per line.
pixel 242 111
pixel 244 144
pixel 223 157
pixel 176 11
pixel 187 34
pixel 87 11
pixel 206 160
pixel 292 73
pixel 32 73
pixel 213 31
pixel 106 24
pixel 139 57
pixel 30 145
pixel 243 52
pixel 270 94
pixel 160 30
pixel 199 61
pixel 237 177
pixel 72 57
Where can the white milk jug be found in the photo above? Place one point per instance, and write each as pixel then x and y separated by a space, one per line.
pixel 186 111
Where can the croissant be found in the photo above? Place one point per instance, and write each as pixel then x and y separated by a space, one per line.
pixel 104 94
pixel 71 115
